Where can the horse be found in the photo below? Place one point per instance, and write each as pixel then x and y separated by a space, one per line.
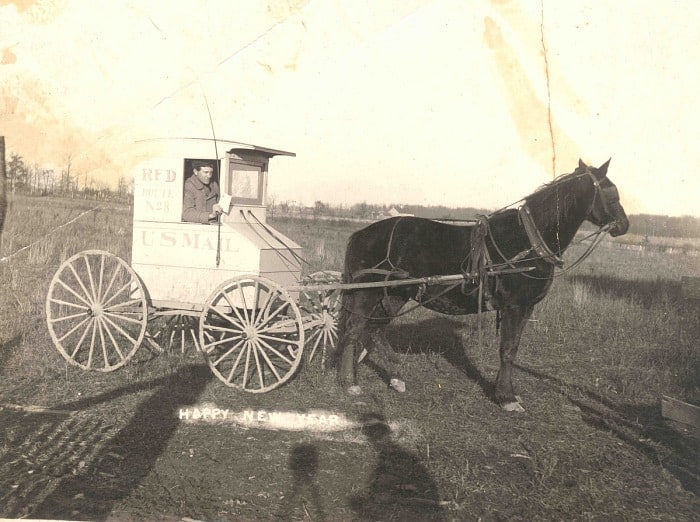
pixel 507 260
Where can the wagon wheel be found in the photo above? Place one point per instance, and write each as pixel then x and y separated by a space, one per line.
pixel 96 311
pixel 176 331
pixel 322 308
pixel 251 334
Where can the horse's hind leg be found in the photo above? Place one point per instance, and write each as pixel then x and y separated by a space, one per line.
pixel 357 309
pixel 386 359
pixel 513 322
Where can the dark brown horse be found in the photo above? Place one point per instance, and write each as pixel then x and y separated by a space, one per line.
pixel 524 245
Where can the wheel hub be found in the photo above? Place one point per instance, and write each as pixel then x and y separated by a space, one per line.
pixel 94 311
pixel 250 333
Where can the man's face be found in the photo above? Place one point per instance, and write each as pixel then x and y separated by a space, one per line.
pixel 204 174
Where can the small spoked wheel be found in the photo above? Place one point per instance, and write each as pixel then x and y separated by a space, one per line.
pixel 251 334
pixel 321 309
pixel 96 311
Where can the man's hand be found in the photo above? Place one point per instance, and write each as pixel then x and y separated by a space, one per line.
pixel 216 210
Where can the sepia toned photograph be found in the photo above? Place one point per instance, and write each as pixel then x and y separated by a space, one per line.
pixel 349 260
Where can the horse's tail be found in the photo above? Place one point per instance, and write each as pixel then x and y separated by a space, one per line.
pixel 345 306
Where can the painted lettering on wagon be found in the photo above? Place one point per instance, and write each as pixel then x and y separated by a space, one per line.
pixel 164 175
pixel 184 239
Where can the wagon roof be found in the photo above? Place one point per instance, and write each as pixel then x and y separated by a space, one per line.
pixel 238 145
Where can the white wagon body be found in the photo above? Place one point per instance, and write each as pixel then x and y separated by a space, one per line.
pixel 177 261
pixel 234 287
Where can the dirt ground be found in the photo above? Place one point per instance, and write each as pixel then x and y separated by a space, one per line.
pixel 152 441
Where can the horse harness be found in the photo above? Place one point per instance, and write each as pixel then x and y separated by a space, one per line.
pixel 478 265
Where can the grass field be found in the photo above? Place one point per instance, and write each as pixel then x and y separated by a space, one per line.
pixel 599 352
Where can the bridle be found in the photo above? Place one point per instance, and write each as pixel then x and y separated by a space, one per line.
pixel 539 245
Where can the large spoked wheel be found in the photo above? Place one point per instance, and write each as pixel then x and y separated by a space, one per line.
pixel 96 311
pixel 321 308
pixel 251 334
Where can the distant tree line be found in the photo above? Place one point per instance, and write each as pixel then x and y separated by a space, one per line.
pixel 369 211
pixel 649 225
pixel 646 225
pixel 23 178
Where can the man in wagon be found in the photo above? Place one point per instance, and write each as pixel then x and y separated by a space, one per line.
pixel 200 204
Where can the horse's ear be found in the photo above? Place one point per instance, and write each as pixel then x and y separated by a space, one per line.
pixel 581 164
pixel 602 171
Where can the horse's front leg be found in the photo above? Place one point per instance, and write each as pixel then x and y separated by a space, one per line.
pixel 513 322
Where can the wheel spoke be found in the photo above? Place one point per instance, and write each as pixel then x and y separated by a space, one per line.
pixel 114 343
pixel 264 309
pixel 269 363
pixel 234 309
pixel 102 271
pixel 122 317
pixel 269 318
pixel 261 380
pixel 92 344
pixel 245 307
pixel 277 339
pixel 67 303
pixel 214 344
pixel 121 290
pixel 112 280
pixel 64 285
pixel 275 351
pixel 69 332
pixel 90 278
pixel 80 282
pixel 229 352
pixel 222 329
pixel 315 338
pixel 104 345
pixel 67 317
pixel 121 305
pixel 120 329
pixel 80 341
pixel 235 365
pixel 247 365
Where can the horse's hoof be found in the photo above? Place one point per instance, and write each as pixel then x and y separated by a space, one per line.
pixel 397 385
pixel 354 390
pixel 513 406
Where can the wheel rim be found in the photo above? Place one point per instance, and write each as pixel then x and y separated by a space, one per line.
pixel 322 307
pixel 251 334
pixel 96 311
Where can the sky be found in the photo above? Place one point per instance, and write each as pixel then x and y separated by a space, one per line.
pixel 441 102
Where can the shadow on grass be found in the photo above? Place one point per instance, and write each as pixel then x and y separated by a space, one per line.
pixel 647 293
pixel 639 425
pixel 7 349
pixel 439 335
pixel 122 463
pixel 303 464
pixel 400 487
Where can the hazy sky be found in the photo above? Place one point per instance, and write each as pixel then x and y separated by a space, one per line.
pixel 443 102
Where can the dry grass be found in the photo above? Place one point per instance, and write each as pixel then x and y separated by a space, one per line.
pixel 601 349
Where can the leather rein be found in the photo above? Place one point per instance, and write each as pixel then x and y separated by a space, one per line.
pixel 539 245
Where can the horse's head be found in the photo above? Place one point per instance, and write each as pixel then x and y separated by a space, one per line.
pixel 605 208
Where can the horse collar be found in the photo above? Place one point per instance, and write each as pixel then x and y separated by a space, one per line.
pixel 536 240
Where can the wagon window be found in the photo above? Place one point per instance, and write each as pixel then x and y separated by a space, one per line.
pixel 245 184
pixel 189 167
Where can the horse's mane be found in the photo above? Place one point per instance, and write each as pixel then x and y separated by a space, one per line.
pixel 550 201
